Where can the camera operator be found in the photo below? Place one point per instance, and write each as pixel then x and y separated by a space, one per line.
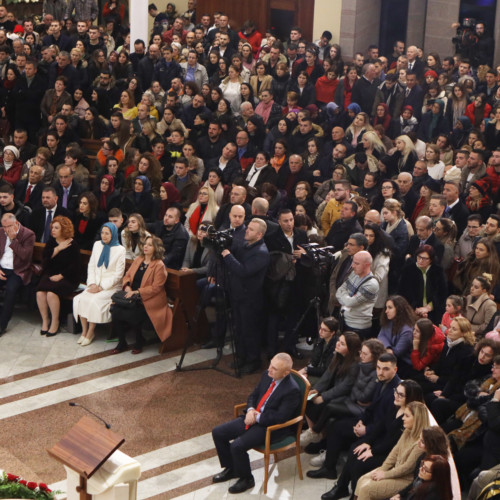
pixel 473 42
pixel 246 270
pixel 214 283
pixel 285 282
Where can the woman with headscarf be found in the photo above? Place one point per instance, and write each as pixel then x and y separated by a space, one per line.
pixel 433 122
pixel 383 116
pixel 105 272
pixel 460 132
pixel 107 196
pixel 12 164
pixel 405 123
pixel 169 197
pixel 140 200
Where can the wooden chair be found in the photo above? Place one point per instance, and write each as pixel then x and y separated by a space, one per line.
pixel 288 442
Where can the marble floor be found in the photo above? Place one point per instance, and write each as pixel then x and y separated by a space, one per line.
pixel 39 376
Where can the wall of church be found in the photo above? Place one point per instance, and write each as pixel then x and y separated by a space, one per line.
pixel 327 16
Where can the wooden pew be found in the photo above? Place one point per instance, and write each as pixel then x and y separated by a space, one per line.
pixel 181 291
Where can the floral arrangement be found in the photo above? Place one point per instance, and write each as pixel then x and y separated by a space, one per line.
pixel 12 486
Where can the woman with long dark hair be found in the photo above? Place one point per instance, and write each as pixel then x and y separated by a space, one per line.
pixel 87 220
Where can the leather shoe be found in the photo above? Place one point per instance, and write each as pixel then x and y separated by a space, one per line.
pixel 323 472
pixel 335 494
pixel 243 484
pixel 225 475
pixel 249 368
pixel 137 350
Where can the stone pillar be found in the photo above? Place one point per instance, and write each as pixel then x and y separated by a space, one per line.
pixel 415 31
pixel 139 19
pixel 360 25
pixel 438 30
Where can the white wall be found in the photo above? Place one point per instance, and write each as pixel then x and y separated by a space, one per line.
pixel 327 15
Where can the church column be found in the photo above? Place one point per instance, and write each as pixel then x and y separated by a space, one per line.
pixel 139 18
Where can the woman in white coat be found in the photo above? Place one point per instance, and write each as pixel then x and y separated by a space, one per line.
pixel 104 278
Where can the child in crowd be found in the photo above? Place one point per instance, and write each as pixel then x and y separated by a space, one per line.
pixel 454 306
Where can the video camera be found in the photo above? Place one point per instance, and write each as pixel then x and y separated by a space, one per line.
pixel 218 240
pixel 316 255
pixel 466 36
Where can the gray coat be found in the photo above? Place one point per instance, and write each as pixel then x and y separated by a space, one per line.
pixel 363 389
pixel 337 389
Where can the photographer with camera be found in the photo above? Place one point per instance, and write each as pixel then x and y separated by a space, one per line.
pixel 214 285
pixel 473 42
pixel 246 269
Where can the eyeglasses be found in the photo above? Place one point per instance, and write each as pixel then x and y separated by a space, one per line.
pixel 399 394
pixel 421 257
pixel 386 187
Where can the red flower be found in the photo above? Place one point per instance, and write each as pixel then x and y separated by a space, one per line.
pixel 23 482
pixel 31 485
pixel 12 477
pixel 43 487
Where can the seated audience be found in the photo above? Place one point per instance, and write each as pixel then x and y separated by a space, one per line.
pixel 87 221
pixel 145 280
pixel 134 236
pixel 479 308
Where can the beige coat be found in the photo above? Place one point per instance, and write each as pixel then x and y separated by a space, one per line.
pixel 479 313
pixel 153 295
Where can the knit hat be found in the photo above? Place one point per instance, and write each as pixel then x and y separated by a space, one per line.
pixel 12 149
pixel 482 185
pixel 354 107
pixel 312 108
pixel 453 175
pixel 331 107
pixel 431 72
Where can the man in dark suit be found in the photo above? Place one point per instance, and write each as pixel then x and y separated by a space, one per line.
pixel 67 190
pixel 424 236
pixel 29 191
pixel 414 95
pixel 353 430
pixel 275 400
pixel 237 196
pixel 63 67
pixel 364 89
pixel 16 251
pixel 28 93
pixel 455 210
pixel 41 218
pixel 285 297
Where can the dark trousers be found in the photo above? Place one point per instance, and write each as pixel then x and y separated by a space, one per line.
pixel 364 333
pixel 213 294
pixel 121 324
pixel 339 437
pixel 232 443
pixel 247 321
pixel 11 285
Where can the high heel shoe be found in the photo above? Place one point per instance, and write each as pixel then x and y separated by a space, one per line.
pixel 52 334
pixel 43 332
pixel 80 340
pixel 87 340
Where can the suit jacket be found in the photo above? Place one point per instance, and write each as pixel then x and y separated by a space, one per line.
pixel 22 246
pixel 432 241
pixel 458 214
pixel 283 404
pixel 37 220
pixel 35 199
pixel 29 98
pixel 415 99
pixel 73 196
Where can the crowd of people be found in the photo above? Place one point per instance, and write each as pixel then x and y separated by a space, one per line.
pixel 282 174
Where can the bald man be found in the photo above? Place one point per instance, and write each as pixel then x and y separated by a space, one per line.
pixel 358 294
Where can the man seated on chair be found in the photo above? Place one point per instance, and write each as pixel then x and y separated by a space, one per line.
pixel 276 399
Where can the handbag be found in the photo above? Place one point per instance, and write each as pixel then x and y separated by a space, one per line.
pixel 120 300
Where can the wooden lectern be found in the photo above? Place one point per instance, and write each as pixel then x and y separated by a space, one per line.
pixel 85 448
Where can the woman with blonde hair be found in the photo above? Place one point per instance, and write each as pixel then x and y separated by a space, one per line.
pixel 397 470
pixel 395 225
pixel 404 158
pixel 360 125
pixel 204 208
pixel 372 144
pixel 134 236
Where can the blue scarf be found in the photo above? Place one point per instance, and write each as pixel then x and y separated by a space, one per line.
pixel 106 248
pixel 146 187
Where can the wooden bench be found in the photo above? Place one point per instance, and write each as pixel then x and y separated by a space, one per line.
pixel 182 293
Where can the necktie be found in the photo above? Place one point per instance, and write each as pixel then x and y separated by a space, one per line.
pixel 407 93
pixel 65 198
pixel 46 231
pixel 28 194
pixel 264 398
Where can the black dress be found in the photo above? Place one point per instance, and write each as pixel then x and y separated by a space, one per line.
pixel 66 262
pixel 86 230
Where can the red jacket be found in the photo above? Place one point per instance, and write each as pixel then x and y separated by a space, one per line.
pixel 434 348
pixel 469 113
pixel 14 173
pixel 325 89
pixel 254 40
